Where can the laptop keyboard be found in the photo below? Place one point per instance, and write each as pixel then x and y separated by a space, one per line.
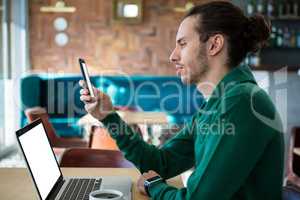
pixel 79 189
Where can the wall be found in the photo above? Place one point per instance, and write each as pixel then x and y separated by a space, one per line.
pixel 108 47
pixel 283 87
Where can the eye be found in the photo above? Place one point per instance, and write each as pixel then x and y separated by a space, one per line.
pixel 182 44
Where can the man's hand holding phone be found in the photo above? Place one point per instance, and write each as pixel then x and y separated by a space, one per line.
pixel 98 106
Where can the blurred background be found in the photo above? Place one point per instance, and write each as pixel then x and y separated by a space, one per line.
pixel 126 45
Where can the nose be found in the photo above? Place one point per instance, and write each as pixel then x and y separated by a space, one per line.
pixel 175 56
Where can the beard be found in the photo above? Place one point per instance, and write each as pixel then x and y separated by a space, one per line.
pixel 202 67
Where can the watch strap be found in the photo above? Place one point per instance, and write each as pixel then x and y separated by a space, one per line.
pixel 154 180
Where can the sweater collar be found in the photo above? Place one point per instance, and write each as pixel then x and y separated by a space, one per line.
pixel 237 75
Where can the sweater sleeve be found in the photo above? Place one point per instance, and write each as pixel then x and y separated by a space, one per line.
pixel 229 160
pixel 176 156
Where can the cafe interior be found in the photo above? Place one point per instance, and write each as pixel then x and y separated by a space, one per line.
pixel 126 46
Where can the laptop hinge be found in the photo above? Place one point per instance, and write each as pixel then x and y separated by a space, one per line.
pixel 55 190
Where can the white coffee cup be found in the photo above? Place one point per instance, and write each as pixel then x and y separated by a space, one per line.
pixel 106 195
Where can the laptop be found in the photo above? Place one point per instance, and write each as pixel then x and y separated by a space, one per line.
pixel 46 174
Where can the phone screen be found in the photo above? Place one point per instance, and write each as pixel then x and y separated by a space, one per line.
pixel 86 76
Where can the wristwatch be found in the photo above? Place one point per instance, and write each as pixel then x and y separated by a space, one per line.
pixel 152 181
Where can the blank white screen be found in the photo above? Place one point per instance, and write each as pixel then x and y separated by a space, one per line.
pixel 40 159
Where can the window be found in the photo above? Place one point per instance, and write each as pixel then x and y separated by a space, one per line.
pixel 13 62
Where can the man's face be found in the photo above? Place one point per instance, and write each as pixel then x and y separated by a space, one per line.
pixel 189 55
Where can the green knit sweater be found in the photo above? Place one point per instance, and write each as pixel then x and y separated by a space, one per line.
pixel 234 142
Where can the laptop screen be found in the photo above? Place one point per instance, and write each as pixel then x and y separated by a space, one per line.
pixel 40 158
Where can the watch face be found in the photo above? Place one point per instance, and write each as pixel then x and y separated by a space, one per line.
pixel 151 181
pixel 153 178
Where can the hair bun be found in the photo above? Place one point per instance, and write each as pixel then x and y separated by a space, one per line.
pixel 257 32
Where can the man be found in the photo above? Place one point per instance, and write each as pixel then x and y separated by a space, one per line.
pixel 235 141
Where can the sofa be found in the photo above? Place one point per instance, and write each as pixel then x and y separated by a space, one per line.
pixel 59 94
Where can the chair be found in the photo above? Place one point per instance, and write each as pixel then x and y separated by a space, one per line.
pixel 100 139
pixel 39 112
pixel 85 157
pixel 293 160
pixel 290 193
pixel 292 189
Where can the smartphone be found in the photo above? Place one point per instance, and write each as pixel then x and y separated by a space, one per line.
pixel 86 76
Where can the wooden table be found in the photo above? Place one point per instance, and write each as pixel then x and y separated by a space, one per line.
pixel 131 117
pixel 143 117
pixel 144 120
pixel 16 184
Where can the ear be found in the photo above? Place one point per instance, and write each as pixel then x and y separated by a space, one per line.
pixel 215 44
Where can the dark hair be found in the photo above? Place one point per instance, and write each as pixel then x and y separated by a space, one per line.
pixel 244 34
